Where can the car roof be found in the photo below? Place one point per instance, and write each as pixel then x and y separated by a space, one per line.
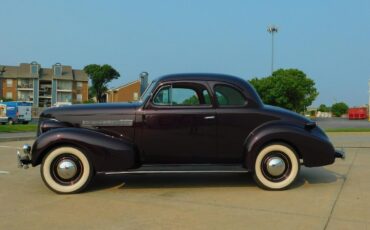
pixel 250 91
pixel 202 77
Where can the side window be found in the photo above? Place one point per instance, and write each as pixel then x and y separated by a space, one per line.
pixel 163 96
pixel 182 95
pixel 229 96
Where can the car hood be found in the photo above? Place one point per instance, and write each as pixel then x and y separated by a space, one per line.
pixel 90 113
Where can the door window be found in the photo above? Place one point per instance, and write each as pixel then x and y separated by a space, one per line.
pixel 229 96
pixel 182 95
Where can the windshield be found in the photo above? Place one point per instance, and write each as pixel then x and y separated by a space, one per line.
pixel 147 92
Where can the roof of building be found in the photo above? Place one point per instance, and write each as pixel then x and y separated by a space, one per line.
pixel 9 71
pixel 80 75
pixel 24 71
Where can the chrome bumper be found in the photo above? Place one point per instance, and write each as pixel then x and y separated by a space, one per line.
pixel 340 154
pixel 24 156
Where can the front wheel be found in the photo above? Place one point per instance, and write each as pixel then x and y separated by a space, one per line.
pixel 66 170
pixel 277 167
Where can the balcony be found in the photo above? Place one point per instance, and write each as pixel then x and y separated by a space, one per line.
pixel 25 85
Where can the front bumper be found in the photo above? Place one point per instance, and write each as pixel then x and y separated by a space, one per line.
pixel 340 154
pixel 24 156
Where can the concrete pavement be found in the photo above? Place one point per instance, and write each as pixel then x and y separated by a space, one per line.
pixel 331 197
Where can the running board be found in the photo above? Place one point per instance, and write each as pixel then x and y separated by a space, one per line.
pixel 170 169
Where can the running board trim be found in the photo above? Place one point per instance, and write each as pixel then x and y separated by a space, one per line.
pixel 171 172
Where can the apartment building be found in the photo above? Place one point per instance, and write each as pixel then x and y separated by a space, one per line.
pixel 43 86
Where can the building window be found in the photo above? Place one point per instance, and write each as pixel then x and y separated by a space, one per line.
pixel 64 85
pixel 79 85
pixel 136 96
pixel 9 82
pixel 79 98
pixel 9 95
pixel 64 97
pixel 58 70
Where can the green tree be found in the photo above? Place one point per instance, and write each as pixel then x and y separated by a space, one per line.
pixel 92 92
pixel 324 108
pixel 100 76
pixel 338 109
pixel 287 88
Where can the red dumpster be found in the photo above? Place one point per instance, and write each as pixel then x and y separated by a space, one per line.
pixel 357 113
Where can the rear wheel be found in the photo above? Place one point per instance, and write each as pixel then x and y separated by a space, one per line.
pixel 277 167
pixel 66 170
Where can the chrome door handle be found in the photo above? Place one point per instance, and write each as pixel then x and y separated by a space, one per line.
pixel 209 117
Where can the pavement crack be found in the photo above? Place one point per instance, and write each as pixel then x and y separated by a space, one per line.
pixel 340 191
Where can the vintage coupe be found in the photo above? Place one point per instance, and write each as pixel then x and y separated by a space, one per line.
pixel 183 123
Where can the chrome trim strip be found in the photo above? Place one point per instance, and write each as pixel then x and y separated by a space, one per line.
pixel 108 123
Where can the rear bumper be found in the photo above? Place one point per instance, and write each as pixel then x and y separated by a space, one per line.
pixel 24 157
pixel 340 154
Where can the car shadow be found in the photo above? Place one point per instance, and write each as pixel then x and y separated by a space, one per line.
pixel 176 180
pixel 318 175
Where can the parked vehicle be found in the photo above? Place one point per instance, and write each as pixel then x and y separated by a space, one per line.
pixel 3 117
pixel 357 113
pixel 183 123
pixel 18 112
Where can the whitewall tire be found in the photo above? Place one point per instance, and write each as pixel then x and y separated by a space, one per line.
pixel 66 170
pixel 276 167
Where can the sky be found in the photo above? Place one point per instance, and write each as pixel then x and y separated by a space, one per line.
pixel 328 40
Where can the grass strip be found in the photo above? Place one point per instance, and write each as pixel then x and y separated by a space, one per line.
pixel 348 130
pixel 18 128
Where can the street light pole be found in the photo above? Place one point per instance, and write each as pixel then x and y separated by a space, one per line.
pixel 272 29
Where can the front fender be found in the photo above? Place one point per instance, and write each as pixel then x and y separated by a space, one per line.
pixel 106 153
pixel 313 146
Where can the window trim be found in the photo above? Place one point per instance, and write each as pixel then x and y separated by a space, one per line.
pixel 233 87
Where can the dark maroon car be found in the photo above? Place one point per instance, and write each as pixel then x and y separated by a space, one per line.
pixel 183 123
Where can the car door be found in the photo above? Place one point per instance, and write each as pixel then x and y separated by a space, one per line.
pixel 235 120
pixel 179 125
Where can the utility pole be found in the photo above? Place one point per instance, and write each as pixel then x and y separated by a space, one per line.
pixel 272 29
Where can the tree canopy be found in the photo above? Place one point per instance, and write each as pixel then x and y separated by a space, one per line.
pixel 100 76
pixel 338 109
pixel 324 108
pixel 287 88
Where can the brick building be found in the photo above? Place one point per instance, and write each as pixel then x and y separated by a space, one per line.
pixel 43 86
pixel 128 92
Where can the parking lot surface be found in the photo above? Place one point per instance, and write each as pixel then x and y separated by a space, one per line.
pixel 331 197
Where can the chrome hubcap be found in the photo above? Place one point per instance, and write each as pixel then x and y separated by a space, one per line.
pixel 66 169
pixel 275 166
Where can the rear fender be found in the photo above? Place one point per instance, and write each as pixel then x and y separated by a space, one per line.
pixel 312 146
pixel 106 153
